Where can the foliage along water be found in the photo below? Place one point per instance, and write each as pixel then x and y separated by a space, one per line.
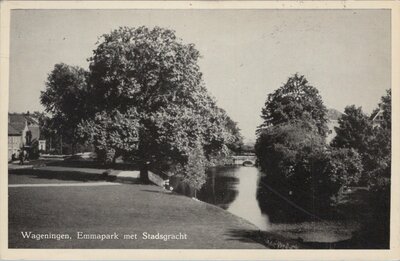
pixel 244 191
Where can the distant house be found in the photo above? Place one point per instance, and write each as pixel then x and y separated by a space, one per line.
pixel 377 118
pixel 23 132
pixel 333 121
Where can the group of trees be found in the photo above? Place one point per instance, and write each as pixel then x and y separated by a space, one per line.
pixel 372 140
pixel 291 146
pixel 142 98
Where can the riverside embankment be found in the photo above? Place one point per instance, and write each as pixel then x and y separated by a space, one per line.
pixel 48 202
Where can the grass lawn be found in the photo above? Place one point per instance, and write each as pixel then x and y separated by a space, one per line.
pixel 122 209
pixel 137 208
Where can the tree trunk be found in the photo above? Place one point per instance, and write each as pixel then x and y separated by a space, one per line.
pixel 61 145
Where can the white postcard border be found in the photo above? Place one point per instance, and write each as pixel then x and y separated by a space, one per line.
pixel 236 254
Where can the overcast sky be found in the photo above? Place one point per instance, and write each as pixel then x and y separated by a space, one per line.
pixel 246 54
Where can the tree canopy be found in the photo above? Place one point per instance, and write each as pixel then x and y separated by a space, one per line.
pixel 145 68
pixel 292 151
pixel 154 72
pixel 296 160
pixel 354 130
pixel 295 100
pixel 113 134
pixel 373 141
pixel 65 100
pixel 278 147
pixel 144 83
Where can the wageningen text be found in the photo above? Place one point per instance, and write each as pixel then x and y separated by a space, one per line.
pixel 103 236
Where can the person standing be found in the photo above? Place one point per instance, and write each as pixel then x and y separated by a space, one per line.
pixel 25 155
pixel 21 157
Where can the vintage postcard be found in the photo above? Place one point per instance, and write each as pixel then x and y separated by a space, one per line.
pixel 199 130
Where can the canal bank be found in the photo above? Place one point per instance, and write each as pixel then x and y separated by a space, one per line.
pixel 75 204
pixel 228 206
pixel 244 192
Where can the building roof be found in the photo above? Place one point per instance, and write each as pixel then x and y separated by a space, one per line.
pixel 31 120
pixel 334 114
pixel 17 126
pixel 18 121
pixel 12 131
pixel 376 114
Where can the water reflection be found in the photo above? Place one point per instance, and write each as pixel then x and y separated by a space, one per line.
pixel 234 189
pixel 246 192
pixel 220 188
pixel 280 207
pixel 246 205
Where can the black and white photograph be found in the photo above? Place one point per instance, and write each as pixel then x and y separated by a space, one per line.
pixel 199 128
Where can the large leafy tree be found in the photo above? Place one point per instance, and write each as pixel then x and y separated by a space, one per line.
pixel 378 170
pixel 354 130
pixel 297 163
pixel 147 83
pixel 379 150
pixel 113 134
pixel 145 68
pixel 292 151
pixel 152 72
pixel 65 100
pixel 295 100
pixel 278 147
pixel 294 116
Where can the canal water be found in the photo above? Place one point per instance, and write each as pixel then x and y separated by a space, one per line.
pixel 244 192
pixel 235 190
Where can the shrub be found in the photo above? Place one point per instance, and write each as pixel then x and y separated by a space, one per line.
pixel 193 172
pixel 297 162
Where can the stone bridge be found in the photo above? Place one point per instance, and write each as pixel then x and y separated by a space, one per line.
pixel 245 160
